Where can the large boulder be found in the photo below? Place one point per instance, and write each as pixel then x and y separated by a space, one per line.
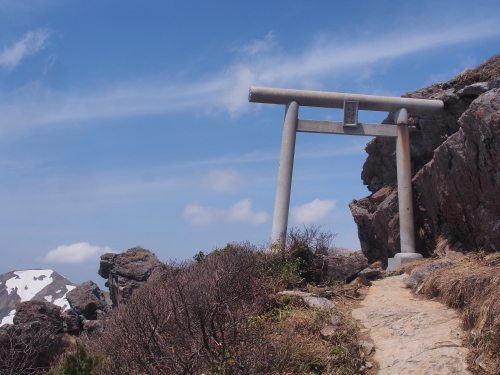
pixel 455 168
pixel 127 271
pixel 43 312
pixel 88 300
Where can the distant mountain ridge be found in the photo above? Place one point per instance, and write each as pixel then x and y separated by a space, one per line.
pixel 27 285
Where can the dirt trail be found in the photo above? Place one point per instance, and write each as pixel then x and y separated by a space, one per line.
pixel 411 335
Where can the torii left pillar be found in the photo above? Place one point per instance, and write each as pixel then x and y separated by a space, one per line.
pixel 285 172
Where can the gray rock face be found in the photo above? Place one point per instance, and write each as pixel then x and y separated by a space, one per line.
pixel 458 191
pixel 127 271
pixel 88 300
pixel 310 299
pixel 455 159
pixel 417 276
pixel 340 268
pixel 318 302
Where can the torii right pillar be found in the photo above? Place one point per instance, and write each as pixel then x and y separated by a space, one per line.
pixel 405 199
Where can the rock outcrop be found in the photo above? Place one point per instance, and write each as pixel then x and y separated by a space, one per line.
pixel 127 271
pixel 43 312
pixel 455 159
pixel 89 301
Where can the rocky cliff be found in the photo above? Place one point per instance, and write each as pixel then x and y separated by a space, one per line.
pixel 455 159
pixel 127 271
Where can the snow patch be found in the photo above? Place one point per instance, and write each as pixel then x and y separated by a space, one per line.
pixel 9 319
pixel 48 298
pixel 63 301
pixel 28 283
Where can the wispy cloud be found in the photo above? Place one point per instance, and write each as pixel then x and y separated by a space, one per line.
pixel 260 45
pixel 76 253
pixel 198 215
pixel 226 90
pixel 312 212
pixel 222 180
pixel 28 45
pixel 240 212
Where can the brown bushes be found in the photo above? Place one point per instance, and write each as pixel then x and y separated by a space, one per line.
pixel 473 287
pixel 189 319
pixel 28 348
pixel 221 315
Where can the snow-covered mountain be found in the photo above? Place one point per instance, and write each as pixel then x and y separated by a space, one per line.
pixel 42 285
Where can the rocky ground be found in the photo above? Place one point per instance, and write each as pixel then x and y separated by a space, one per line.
pixel 411 335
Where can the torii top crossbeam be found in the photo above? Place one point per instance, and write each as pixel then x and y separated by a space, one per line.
pixel 324 99
pixel 351 103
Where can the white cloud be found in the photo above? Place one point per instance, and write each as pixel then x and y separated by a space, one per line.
pixel 312 212
pixel 76 253
pixel 198 215
pixel 30 44
pixel 259 46
pixel 240 212
pixel 222 180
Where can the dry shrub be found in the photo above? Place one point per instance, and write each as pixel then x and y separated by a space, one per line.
pixel 187 320
pixel 487 71
pixel 221 315
pixel 206 317
pixel 28 348
pixel 336 354
pixel 473 287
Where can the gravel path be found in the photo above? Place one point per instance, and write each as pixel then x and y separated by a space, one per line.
pixel 411 335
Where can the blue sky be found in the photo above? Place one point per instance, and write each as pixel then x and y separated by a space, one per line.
pixel 126 123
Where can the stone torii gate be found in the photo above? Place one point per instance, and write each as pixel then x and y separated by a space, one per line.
pixel 351 103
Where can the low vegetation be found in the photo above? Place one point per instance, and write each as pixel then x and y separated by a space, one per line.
pixel 221 314
pixel 487 71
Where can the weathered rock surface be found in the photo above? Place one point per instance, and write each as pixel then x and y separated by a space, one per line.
pixel 411 336
pixel 455 158
pixel 310 299
pixel 72 322
pixel 318 302
pixel 338 267
pixel 127 271
pixel 418 275
pixel 88 300
pixel 458 191
pixel 43 312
